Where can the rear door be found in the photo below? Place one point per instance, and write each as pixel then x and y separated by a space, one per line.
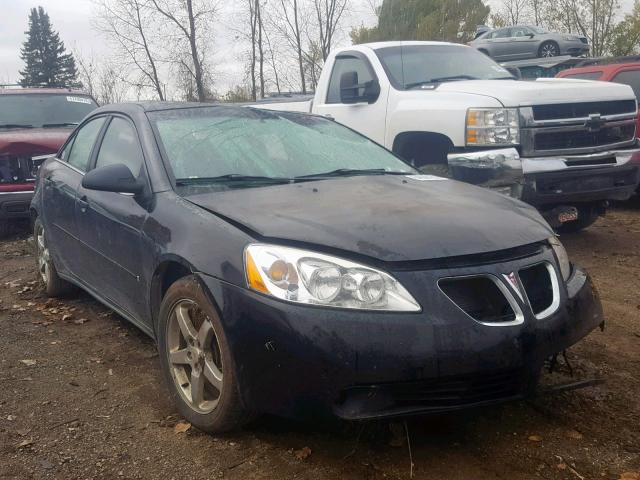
pixel 523 43
pixel 110 224
pixel 60 181
pixel 498 43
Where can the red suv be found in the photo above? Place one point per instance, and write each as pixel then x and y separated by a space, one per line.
pixel 33 122
pixel 627 72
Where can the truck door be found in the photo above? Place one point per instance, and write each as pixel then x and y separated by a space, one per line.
pixel 353 75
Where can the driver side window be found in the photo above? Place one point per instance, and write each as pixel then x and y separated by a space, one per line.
pixel 82 145
pixel 342 65
pixel 120 145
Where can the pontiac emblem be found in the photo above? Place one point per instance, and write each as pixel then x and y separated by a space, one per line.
pixel 512 280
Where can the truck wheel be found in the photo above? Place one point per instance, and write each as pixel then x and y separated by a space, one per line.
pixel 548 49
pixel 586 218
pixel 54 285
pixel 196 359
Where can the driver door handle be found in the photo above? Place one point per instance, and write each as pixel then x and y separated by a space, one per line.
pixel 83 203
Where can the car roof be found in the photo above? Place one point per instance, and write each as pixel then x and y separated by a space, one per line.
pixel 598 67
pixel 133 108
pixel 404 43
pixel 48 91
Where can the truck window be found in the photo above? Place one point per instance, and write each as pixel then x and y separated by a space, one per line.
pixel 344 64
pixel 631 78
pixel 584 75
pixel 44 109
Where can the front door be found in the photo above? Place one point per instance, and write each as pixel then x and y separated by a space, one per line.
pixel 110 224
pixel 359 115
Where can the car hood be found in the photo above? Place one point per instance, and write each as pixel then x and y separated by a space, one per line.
pixel 517 93
pixel 390 218
pixel 32 140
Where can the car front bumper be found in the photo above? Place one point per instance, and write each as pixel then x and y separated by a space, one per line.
pixel 548 181
pixel 296 360
pixel 15 203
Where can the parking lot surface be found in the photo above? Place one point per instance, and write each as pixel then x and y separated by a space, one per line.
pixel 81 396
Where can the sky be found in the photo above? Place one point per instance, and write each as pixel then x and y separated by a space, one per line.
pixel 73 19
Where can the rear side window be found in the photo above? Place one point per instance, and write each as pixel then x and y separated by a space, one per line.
pixel 631 78
pixel 585 75
pixel 502 33
pixel 83 144
pixel 121 145
pixel 346 64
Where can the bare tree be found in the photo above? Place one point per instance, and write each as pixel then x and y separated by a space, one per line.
pixel 190 18
pixel 328 14
pixel 514 11
pixel 290 25
pixel 126 23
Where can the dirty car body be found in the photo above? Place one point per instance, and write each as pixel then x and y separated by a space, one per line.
pixel 33 123
pixel 477 292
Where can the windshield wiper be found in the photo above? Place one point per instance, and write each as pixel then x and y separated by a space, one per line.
pixel 451 78
pixel 347 172
pixel 231 177
pixel 15 125
pixel 62 124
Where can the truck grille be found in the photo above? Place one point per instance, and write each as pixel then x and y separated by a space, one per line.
pixel 18 168
pixel 565 140
pixel 583 110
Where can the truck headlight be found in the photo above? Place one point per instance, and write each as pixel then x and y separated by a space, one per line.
pixel 302 276
pixel 561 255
pixel 493 126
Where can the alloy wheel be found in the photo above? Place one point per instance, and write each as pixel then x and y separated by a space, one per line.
pixel 43 256
pixel 194 355
pixel 549 50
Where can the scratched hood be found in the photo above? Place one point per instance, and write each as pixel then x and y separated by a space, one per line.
pixel 32 140
pixel 391 218
pixel 515 93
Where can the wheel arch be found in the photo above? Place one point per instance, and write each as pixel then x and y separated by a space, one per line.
pixel 410 146
pixel 170 269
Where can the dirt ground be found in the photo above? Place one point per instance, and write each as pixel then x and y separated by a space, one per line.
pixel 81 396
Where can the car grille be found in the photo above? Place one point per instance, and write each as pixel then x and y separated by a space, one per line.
pixel 565 140
pixel 584 40
pixel 536 281
pixel 582 110
pixel 480 298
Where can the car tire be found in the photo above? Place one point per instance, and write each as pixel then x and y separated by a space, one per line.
pixel 54 285
pixel 548 50
pixel 195 353
pixel 586 218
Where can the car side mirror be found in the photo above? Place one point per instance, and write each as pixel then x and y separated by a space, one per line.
pixel 531 35
pixel 350 89
pixel 515 71
pixel 112 178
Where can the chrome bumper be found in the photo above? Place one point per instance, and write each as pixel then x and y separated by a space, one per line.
pixel 503 170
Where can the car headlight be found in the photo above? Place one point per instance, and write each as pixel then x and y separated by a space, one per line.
pixel 493 126
pixel 561 255
pixel 571 38
pixel 301 276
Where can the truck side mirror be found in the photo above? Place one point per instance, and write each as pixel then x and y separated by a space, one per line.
pixel 353 92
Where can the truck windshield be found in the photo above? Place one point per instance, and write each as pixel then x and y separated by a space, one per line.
pixel 43 110
pixel 240 147
pixel 414 66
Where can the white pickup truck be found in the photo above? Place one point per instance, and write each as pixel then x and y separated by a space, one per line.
pixel 567 147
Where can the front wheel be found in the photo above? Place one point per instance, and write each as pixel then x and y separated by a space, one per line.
pixel 54 285
pixel 196 359
pixel 548 49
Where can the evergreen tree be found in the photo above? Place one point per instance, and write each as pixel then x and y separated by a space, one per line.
pixel 47 64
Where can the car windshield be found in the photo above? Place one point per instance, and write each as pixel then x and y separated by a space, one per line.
pixel 43 110
pixel 220 147
pixel 414 66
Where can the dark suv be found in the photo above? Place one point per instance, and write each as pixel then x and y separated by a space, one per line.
pixel 33 122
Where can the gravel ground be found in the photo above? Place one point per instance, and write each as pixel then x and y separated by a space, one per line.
pixel 81 397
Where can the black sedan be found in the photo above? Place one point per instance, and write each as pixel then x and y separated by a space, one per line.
pixel 286 264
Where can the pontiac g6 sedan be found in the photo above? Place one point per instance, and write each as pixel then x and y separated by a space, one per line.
pixel 286 264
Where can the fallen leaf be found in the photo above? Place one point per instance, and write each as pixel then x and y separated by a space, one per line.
pixel 28 362
pixel 23 432
pixel 574 434
pixel 25 443
pixel 80 321
pixel 66 317
pixel 630 476
pixel 11 418
pixel 303 453
pixel 535 438
pixel 181 427
pixel 562 466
